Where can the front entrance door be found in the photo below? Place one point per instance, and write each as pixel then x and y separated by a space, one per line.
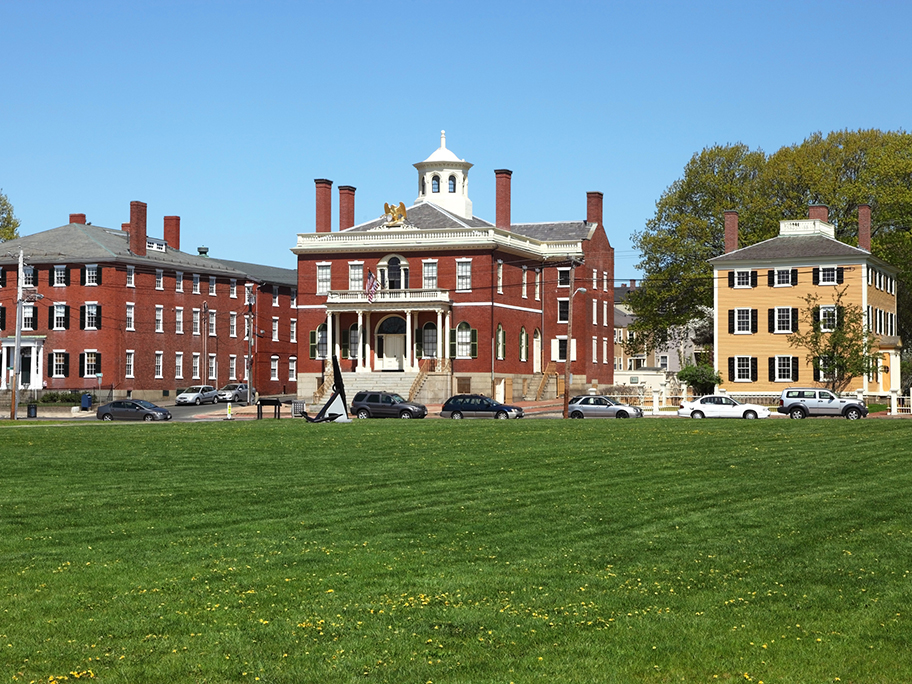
pixel 25 367
pixel 393 352
pixel 536 352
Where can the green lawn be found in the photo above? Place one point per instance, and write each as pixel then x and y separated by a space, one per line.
pixel 443 551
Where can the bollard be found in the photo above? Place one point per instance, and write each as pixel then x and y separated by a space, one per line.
pixel 228 417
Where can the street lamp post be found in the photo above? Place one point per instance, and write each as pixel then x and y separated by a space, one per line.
pixel 568 355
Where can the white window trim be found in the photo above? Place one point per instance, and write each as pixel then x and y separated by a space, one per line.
pixel 748 379
pixel 776 310
pixel 179 320
pixel 159 318
pixel 232 366
pixel 93 268
pixel 232 288
pixel 130 325
pixel 789 378
pixel 327 265
pixel 159 279
pixel 232 324
pixel 62 269
pixel 179 367
pixel 776 273
pixel 293 326
pixel 463 261
pixel 87 305
pixel 749 321
pixel 213 319
pixel 820 281
pixel 560 270
pixel 213 286
pixel 160 362
pixel 275 328
pixel 559 300
pixel 748 272
pixel 292 369
pixel 831 307
pixel 53 369
pixel 500 276
pixel 178 281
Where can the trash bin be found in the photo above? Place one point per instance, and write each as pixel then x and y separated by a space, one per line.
pixel 86 401
pixel 32 410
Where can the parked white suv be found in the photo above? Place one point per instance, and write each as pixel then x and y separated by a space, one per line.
pixel 801 402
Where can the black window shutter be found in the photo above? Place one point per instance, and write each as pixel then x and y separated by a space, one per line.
pixel 313 344
pixel 98 271
pixel 794 277
pixel 82 365
pixel 419 344
pixel 840 275
pixel 754 322
pixel 731 321
pixel 753 369
pixel 66 275
pixel 816 275
pixel 816 374
pixel 794 368
pixel 771 320
pixel 82 318
pixel 731 368
pixel 453 343
pixel 51 317
pixel 753 279
pixel 731 278
pixel 840 316
pixel 771 278
pixel 98 362
pixel 98 313
pixel 2 318
pixel 66 317
pixel 66 365
pixel 82 275
pixel 2 277
pixel 772 368
pixel 475 345
pixel 343 343
pixel 816 315
pixel 795 319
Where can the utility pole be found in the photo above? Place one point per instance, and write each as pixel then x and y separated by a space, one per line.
pixel 17 361
pixel 569 355
pixel 249 345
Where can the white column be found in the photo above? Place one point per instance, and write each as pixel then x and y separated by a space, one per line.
pixel 894 403
pixel 359 368
pixel 329 334
pixel 446 333
pixel 37 367
pixel 337 347
pixel 655 401
pixel 409 352
pixel 368 365
pixel 439 337
pixel 3 367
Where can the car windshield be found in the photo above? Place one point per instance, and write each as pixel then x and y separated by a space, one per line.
pixel 397 399
pixel 612 402
pixel 229 388
pixel 193 390
pixel 145 404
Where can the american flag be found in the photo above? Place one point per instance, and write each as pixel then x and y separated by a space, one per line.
pixel 372 286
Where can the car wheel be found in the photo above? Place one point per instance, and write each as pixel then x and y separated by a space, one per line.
pixel 405 414
pixel 363 413
pixel 697 414
pixel 797 413
pixel 215 400
pixel 501 415
pixel 148 418
pixel 622 414
pixel 577 415
pixel 456 415
pixel 750 415
pixel 107 416
pixel 852 413
pixel 198 401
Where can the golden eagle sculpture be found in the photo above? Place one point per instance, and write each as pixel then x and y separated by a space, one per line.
pixel 396 214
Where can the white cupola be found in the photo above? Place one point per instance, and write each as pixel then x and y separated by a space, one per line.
pixel 443 179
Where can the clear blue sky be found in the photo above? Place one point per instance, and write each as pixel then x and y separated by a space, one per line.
pixel 225 112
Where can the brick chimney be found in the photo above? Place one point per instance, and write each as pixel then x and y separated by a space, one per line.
pixel 173 231
pixel 125 227
pixel 138 228
pixel 864 226
pixel 78 218
pixel 731 231
pixel 819 212
pixel 324 205
pixel 594 201
pixel 502 191
pixel 346 206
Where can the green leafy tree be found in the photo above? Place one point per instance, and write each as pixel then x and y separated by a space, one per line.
pixel 701 377
pixel 842 170
pixel 9 224
pixel 838 345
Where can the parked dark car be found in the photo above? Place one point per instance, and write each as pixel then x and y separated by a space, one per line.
pixel 132 409
pixel 385 405
pixel 478 406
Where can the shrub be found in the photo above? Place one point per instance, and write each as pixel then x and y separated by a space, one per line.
pixel 701 377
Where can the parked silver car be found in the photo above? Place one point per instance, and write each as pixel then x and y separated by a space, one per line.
pixel 236 392
pixel 198 394
pixel 601 407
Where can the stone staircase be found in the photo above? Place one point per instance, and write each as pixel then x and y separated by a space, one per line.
pixel 400 383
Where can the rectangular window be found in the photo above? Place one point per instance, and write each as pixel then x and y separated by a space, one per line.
pixel 663 362
pixel 232 367
pixel 563 277
pixel 195 368
pixel 60 276
pixel 828 275
pixel 232 288
pixel 784 319
pixel 594 312
pixel 131 307
pixel 246 327
pixel 159 279
pixel 742 321
pixel 563 310
pixel 594 280
pixel 828 318
pixel 196 321
pixel 275 328
pixel 525 283
pixel 292 369
pixel 537 285
pixel 275 295
pixel 429 279
pixel 594 339
pixel 499 276
pixel 605 314
pixel 159 357
pixel 324 278
pixel 178 365
pixel 604 350
pixel 178 281
pixel 91 364
pixel 356 276
pixel 60 317
pixel 232 324
pixel 60 365
pixel 196 283
pixel 159 319
pixel 248 290
pixel 28 276
pixel 294 330
pixel 91 316
pixel 463 275
pixel 783 277
pixel 784 369
pixel 604 281
pixel 212 332
pixel 212 286
pixel 246 367
pixel 743 369
pixel 561 348
pixel 274 368
pixel 179 320
pixel 294 298
pixel 213 367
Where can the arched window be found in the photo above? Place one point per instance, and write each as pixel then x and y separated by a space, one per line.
pixel 429 341
pixel 423 188
pixel 435 184
pixel 394 273
pixel 354 342
pixel 523 345
pixel 501 342
pixel 318 342
pixel 464 340
pixel 452 183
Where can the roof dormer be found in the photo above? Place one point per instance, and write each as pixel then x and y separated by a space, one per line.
pixel 443 179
